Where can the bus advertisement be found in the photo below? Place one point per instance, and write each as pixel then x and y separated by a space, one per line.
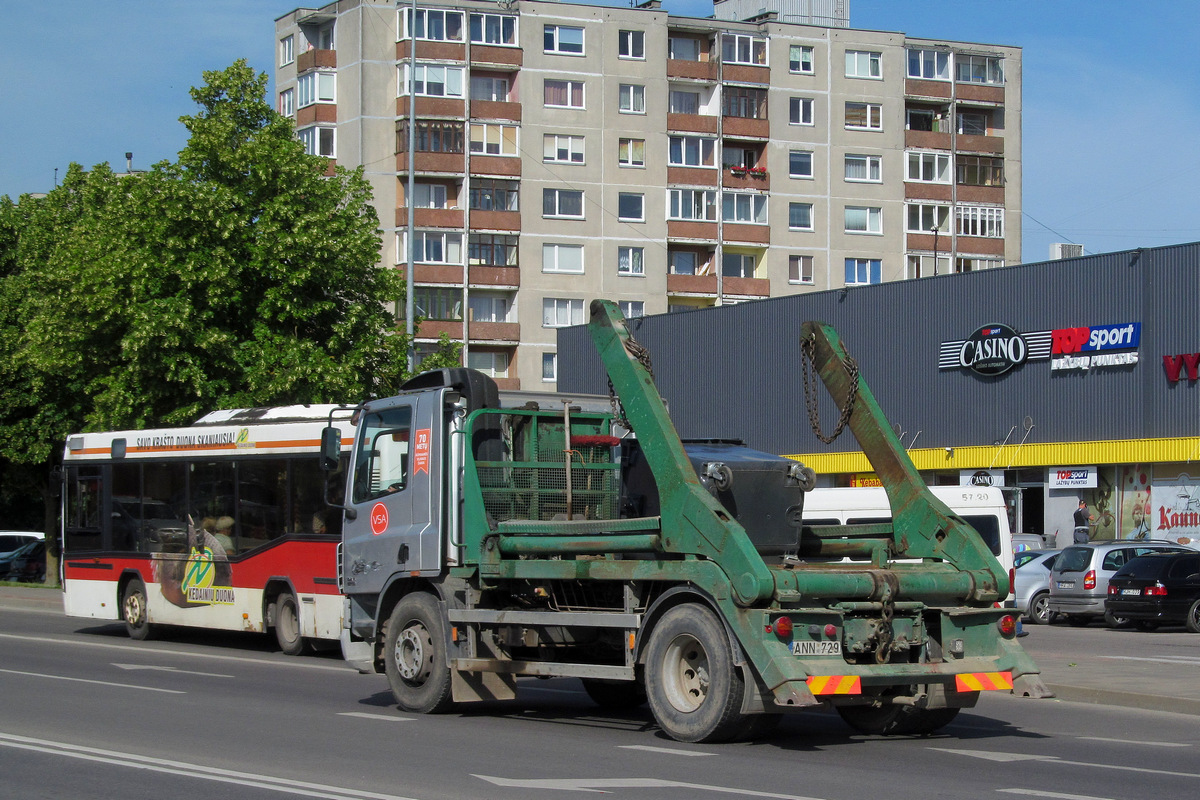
pixel 222 524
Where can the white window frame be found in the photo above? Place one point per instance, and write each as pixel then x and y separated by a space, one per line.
pixel 287 102
pixel 801 59
pixel 746 49
pixel 552 40
pixel 631 98
pixel 632 309
pixel 922 265
pixel 553 257
pixel 705 151
pixel 485 37
pixel 488 307
pixel 801 111
pixel 448 241
pixel 984 221
pixel 743 259
pixel 803 176
pixel 631 44
pixel 287 50
pixel 926 216
pixel 491 82
pixel 562 148
pixel 641 203
pixel 874 117
pixel 490 362
pixel 316 87
pixel 873 221
pixel 429 195
pixel 928 65
pixel 864 64
pixel 873 267
pixel 561 196
pixel 795 206
pixel 549 367
pixel 631 261
pixel 747 208
pixel 920 163
pixel 505 139
pixel 800 269
pixel 319 140
pixel 682 204
pixel 626 155
pixel 984 70
pixel 570 86
pixel 976 263
pixel 962 115
pixel 451 78
pixel 872 167
pixel 424 17
pixel 561 312
pixel 676 43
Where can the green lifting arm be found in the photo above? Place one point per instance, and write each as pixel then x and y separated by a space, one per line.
pixel 693 522
pixel 923 526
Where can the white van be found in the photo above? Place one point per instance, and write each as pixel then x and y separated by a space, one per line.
pixel 982 507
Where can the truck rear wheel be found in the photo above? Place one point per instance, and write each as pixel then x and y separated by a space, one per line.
pixel 414 654
pixel 694 688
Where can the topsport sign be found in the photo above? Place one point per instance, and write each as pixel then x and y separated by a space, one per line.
pixel 995 349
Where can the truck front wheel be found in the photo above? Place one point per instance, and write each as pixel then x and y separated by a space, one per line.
pixel 694 688
pixel 415 655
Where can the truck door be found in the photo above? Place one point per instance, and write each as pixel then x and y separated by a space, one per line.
pixel 395 491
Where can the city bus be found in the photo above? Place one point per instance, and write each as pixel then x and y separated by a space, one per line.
pixel 222 524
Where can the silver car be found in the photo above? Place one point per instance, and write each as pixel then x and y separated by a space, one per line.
pixel 1031 584
pixel 1079 578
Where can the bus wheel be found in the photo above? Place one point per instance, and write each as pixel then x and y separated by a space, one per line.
pixel 287 625
pixel 694 688
pixel 414 654
pixel 135 612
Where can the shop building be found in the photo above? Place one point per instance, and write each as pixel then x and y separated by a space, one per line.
pixel 1060 380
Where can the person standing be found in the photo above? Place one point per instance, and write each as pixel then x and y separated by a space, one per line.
pixel 1082 523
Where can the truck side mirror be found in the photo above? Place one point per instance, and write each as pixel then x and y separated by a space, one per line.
pixel 331 448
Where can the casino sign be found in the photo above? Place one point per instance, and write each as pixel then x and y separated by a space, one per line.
pixel 995 349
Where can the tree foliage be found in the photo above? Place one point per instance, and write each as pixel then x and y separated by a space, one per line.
pixel 243 274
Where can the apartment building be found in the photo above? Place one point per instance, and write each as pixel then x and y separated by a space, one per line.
pixel 563 152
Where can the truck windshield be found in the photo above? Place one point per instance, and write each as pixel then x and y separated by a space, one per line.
pixel 381 453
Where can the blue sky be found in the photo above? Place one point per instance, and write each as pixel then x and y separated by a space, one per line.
pixel 1111 95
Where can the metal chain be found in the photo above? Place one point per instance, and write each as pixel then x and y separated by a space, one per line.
pixel 808 347
pixel 883 647
pixel 642 356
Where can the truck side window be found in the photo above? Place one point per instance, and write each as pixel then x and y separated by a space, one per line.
pixel 381 455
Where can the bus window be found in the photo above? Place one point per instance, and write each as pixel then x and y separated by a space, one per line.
pixel 262 489
pixel 82 528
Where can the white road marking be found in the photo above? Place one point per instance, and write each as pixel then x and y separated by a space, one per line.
pixel 183 769
pixel 129 647
pixel 381 717
pixel 1054 795
pixel 170 669
pixel 668 750
pixel 1134 741
pixel 86 680
pixel 600 784
pixel 1189 660
pixel 989 755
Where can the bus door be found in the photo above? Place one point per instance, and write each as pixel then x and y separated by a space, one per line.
pixel 395 493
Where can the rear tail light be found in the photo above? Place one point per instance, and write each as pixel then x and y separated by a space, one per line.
pixel 1157 590
pixel 1089 580
pixel 1012 580
pixel 782 627
pixel 1007 625
pixel 1112 589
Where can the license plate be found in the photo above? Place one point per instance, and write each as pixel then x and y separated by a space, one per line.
pixel 816 648
pixel 1066 584
pixel 1131 592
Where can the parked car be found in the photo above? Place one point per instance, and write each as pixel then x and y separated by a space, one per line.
pixel 26 564
pixel 1079 578
pixel 1156 589
pixel 1031 584
pixel 15 540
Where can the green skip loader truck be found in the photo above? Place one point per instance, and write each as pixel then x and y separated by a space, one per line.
pixel 489 535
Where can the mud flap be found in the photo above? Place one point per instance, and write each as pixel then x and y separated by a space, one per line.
pixel 468 687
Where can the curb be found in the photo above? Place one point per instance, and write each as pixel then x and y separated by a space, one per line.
pixel 1149 702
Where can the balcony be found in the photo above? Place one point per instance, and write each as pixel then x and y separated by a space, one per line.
pixel 979 144
pixel 431 217
pixel 927 140
pixel 317 112
pixel 478 275
pixel 506 166
pixel 990 195
pixel 478 332
pixel 979 245
pixel 974 92
pixel 746 178
pixel 495 220
pixel 692 176
pixel 692 284
pixel 453 163
pixel 915 87
pixel 315 59
pixel 746 127
pixel 434 107
pixel 752 234
pixel 943 192
pixel 696 70
pixel 509 58
pixel 682 229
pixel 494 109
pixel 692 123
pixel 433 51
pixel 746 287
pixel 746 73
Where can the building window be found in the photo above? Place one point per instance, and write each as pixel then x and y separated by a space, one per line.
pixel 436 303
pixel 864 169
pixel 863 271
pixel 319 141
pixel 743 207
pixel 800 111
pixel 800 269
pixel 922 266
pixel 925 119
pixel 737 265
pixel 434 25
pixel 971 123
pixel 631 261
pixel 562 203
pixel 972 264
pixel 862 219
pixel 800 163
pixel 494 29
pixel 631 44
pixel 681 101
pixel 432 81
pixel 743 49
pixel 739 158
pixel 699 205
pixel 563 39
pixel 316 87
pixel 559 312
pixel 488 88
pixel 631 309
pixel 800 59
pixel 485 307
pixel 631 207
pixel 429 195
pixel 432 136
pixel 549 367
pixel 928 168
pixel 800 216
pixel 681 48
pixel 686 262
pixel 928 217
pixel 492 250
pixel 738 101
pixel 563 94
pixel 490 194
pixel 566 258
pixel 490 363
pixel 863 64
pixel 980 171
pixel 493 140
pixel 986 221
pixel 287 50
pixel 979 69
pixel 631 98
pixel 691 151
pixel 287 102
pixel 933 65
pixel 562 149
pixel 864 116
pixel 435 247
pixel 631 152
